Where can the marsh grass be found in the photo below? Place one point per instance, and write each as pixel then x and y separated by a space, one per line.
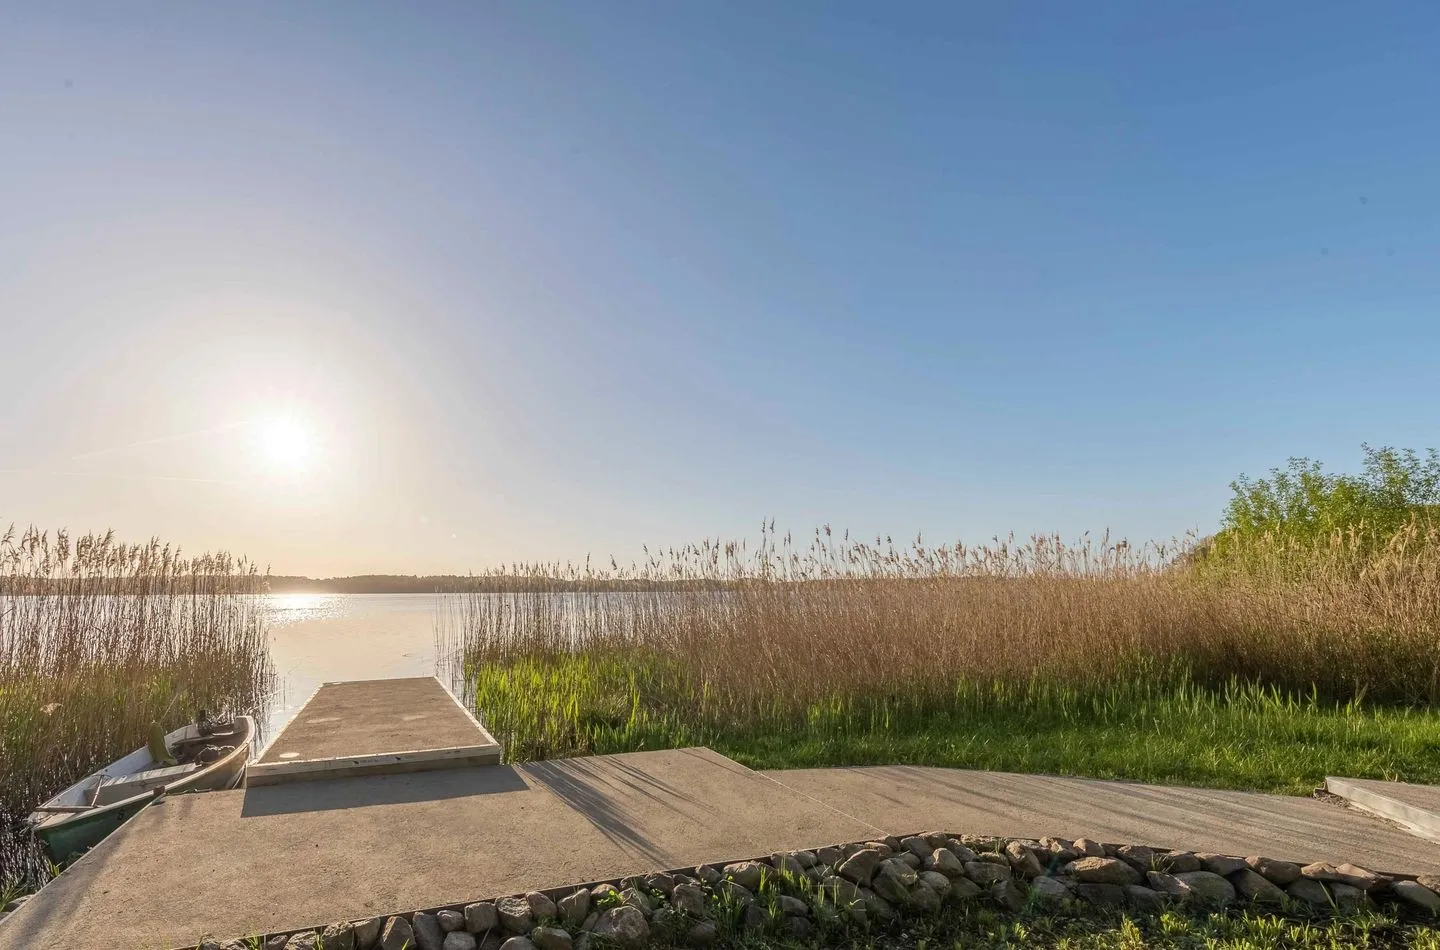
pixel 99 638
pixel 1261 671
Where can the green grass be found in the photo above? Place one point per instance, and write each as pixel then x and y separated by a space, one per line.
pixel 985 929
pixel 1154 729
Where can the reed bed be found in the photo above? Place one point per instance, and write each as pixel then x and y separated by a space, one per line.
pixel 1248 668
pixel 98 639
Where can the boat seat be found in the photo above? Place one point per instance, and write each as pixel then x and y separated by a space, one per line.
pixel 121 787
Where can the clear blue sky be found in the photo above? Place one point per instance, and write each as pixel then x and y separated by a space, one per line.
pixel 540 279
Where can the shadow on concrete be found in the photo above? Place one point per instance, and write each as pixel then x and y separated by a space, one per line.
pixel 579 784
pixel 330 794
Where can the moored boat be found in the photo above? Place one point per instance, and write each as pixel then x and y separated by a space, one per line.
pixel 204 756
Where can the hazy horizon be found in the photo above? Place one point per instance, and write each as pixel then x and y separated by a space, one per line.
pixel 363 288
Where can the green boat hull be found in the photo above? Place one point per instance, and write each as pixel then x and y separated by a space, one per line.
pixel 73 838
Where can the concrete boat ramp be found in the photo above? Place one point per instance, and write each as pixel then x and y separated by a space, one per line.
pixel 308 849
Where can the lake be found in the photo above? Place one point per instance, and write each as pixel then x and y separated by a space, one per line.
pixel 318 638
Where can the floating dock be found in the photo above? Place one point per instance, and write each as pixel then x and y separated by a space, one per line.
pixel 374 727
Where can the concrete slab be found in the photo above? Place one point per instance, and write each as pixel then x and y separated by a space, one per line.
pixel 295 855
pixel 373 727
pixel 1414 807
pixel 909 798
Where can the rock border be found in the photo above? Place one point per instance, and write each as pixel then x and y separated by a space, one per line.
pixel 801 893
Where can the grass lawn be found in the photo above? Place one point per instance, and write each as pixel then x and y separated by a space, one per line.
pixel 1173 930
pixel 1236 737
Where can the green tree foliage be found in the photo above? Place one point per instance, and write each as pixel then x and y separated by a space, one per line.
pixel 1303 502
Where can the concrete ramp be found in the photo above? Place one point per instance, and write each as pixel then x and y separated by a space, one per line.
pixel 900 798
pixel 1414 807
pixel 295 855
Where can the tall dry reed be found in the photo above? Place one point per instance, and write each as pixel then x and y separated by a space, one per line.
pixel 728 634
pixel 99 638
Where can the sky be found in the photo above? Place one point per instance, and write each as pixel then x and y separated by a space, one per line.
pixel 414 288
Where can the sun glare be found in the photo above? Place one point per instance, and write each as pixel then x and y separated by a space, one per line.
pixel 285 444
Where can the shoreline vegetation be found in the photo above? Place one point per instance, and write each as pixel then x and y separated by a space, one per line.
pixel 109 638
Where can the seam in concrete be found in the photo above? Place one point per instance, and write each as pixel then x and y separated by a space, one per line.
pixel 1418 821
pixel 822 804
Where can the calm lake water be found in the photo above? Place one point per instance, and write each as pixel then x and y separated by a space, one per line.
pixel 317 638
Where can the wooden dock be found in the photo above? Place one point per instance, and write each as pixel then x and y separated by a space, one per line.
pixel 375 727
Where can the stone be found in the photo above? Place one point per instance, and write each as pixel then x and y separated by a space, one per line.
pixel 945 862
pixel 666 921
pixel 515 914
pixel 1142 898
pixel 367 933
pixel 551 938
pixel 582 942
pixel 1137 856
pixel 428 935
pixel 1347 896
pixel 1009 895
pixel 601 891
pixel 689 899
pixel 792 906
pixel 1417 895
pixel 753 919
pixel 397 935
pixel 1252 885
pixel 922 899
pixel 277 942
pixel 861 866
pixel 663 882
pixel 909 860
pixel 937 882
pixel 1221 864
pixel 829 857
pixel 986 874
pixel 995 858
pixel 1049 890
pixel 1431 881
pixel 541 906
pixel 734 893
pixel 917 846
pixel 492 940
pixel 574 908
pixel 1279 873
pixel 1088 848
pixel 1177 862
pixel 963 889
pixel 806 858
pixel 590 920
pixel 480 917
pixel 638 899
pixel 338 937
pixel 798 927
pixel 893 881
pixel 1103 871
pixel 1171 885
pixel 459 940
pixel 1060 850
pixel 706 874
pixel 882 846
pixel 1310 891
pixel 702 934
pixel 961 852
pixel 877 906
pixel 1102 893
pixel 1023 860
pixel 450 920
pixel 1358 877
pixel 1209 887
pixel 517 943
pixel 839 890
pixel 624 925
pixel 305 940
pixel 786 864
pixel 748 874
pixel 893 843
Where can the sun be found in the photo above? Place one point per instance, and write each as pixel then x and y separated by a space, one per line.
pixel 285 444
